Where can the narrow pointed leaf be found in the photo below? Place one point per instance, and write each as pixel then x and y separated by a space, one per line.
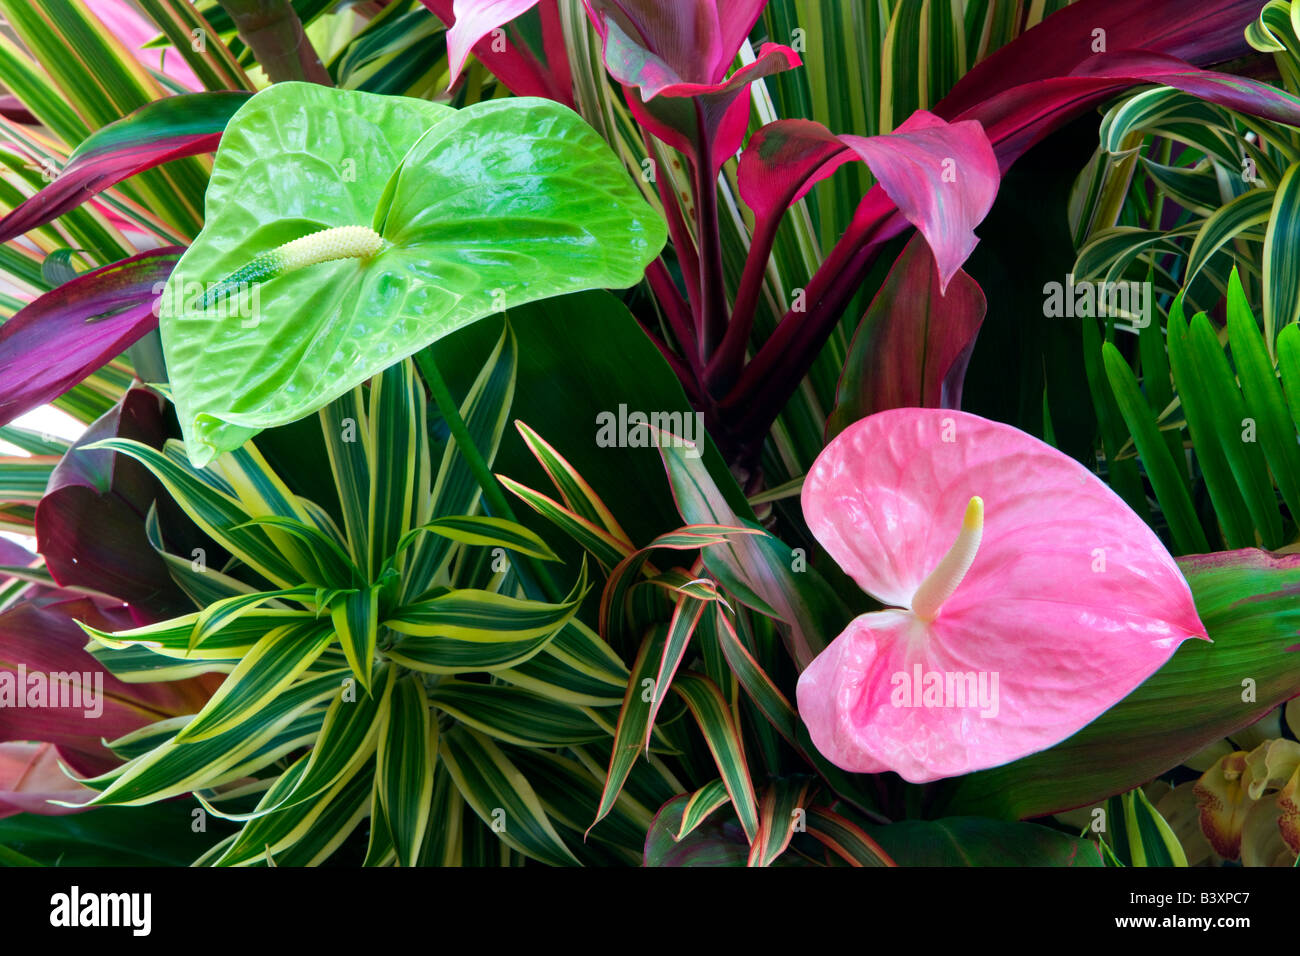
pixel 63 336
pixel 408 746
pixel 182 125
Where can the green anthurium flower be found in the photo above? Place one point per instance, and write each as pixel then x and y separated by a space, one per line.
pixel 345 231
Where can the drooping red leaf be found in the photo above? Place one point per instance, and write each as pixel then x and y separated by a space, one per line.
pixel 63 336
pixel 46 640
pixel 156 133
pixel 1017 118
pixel 30 777
pixel 1202 33
pixel 1036 84
pixel 943 177
pixel 913 344
pixel 90 524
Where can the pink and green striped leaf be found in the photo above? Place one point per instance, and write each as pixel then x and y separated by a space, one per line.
pixel 65 335
pixel 167 129
pixel 723 738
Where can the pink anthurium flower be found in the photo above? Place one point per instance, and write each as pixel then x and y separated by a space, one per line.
pixel 1025 598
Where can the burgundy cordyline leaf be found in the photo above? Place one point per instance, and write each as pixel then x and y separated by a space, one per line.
pixel 171 128
pixel 90 523
pixel 1199 33
pixel 1018 118
pixel 60 338
pixel 674 57
pixel 471 22
pixel 940 177
pixel 12 108
pixel 46 640
pixel 912 346
pixel 30 777
pixel 943 177
pixel 14 555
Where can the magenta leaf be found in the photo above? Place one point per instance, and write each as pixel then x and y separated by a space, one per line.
pixel 1200 33
pixel 1034 85
pixel 1025 598
pixel 475 19
pixel 60 338
pixel 1019 117
pixel 14 555
pixel 158 132
pixel 90 525
pixel 940 177
pixel 660 43
pixel 673 58
pixel 913 344
pixel 30 778
pixel 44 640
pixel 943 177
pixel 472 21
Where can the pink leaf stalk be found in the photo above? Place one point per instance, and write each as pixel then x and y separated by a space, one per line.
pixel 1025 597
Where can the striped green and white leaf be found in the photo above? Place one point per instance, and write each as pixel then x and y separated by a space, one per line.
pixel 502 797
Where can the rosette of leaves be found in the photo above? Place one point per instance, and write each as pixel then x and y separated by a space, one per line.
pixel 387 667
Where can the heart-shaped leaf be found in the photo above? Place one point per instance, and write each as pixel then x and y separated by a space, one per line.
pixel 479 210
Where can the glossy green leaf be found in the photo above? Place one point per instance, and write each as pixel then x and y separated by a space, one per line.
pixel 1199 404
pixel 1263 394
pixel 1166 478
pixel 972 841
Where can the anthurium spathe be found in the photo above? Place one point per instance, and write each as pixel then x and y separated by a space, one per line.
pixel 1025 598
pixel 346 230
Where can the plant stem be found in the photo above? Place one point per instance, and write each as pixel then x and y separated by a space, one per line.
pixel 712 320
pixel 536 579
pixel 274 33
